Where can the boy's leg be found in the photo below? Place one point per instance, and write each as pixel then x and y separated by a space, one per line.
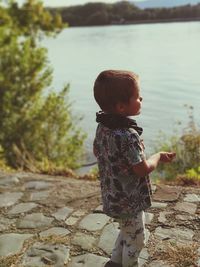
pixel 117 251
pixel 133 236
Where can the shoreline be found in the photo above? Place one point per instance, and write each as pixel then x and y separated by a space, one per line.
pixel 153 21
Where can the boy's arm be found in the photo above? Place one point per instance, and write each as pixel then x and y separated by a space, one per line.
pixel 147 166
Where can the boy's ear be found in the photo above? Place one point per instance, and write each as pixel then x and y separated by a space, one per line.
pixel 119 107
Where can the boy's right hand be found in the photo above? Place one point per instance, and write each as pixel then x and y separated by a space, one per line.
pixel 167 156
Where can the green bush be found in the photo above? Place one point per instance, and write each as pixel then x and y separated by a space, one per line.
pixel 187 148
pixel 37 126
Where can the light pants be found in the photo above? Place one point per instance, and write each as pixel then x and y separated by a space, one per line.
pixel 130 241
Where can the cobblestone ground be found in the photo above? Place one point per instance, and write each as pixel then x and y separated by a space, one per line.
pixel 42 224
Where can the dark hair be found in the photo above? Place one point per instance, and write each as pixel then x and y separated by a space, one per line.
pixel 114 86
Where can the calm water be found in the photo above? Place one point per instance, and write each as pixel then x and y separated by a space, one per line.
pixel 166 56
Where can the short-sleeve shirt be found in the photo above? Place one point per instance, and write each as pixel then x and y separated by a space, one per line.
pixel 124 194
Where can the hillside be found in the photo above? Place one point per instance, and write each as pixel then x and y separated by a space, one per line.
pixel 125 13
pixel 164 3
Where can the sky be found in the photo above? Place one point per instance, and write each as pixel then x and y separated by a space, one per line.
pixel 70 2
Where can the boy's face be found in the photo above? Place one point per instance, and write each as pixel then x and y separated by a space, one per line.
pixel 133 107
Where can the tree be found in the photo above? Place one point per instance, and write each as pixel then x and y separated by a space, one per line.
pixel 36 128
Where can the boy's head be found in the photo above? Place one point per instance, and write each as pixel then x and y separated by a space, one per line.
pixel 116 90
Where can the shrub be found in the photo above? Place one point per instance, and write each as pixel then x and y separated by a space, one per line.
pixel 187 148
pixel 37 127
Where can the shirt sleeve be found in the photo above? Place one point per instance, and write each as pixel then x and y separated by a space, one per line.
pixel 132 148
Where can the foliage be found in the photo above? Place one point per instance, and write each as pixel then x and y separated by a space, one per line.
pixel 190 178
pixel 36 127
pixel 93 174
pixel 123 12
pixel 187 148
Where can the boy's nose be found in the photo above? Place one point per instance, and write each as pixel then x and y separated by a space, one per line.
pixel 141 98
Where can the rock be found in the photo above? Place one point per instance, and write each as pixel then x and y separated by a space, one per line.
pixel 71 220
pixel 148 217
pixel 167 193
pixel 88 260
pixel 144 255
pixel 84 241
pixel 162 218
pixel 147 235
pixel 158 205
pixel 37 185
pixel 41 195
pixel 12 243
pixel 8 181
pixel 184 217
pixel 108 237
pixel 22 207
pixel 59 231
pixel 42 255
pixel 8 199
pixel 78 213
pixel 34 220
pixel 174 233
pixel 99 209
pixel 158 264
pixel 186 207
pixel 192 198
pixel 153 188
pixel 62 213
pixel 94 222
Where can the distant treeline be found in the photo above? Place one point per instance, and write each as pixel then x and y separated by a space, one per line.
pixel 124 13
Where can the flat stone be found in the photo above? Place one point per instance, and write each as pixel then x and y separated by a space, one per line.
pixel 94 222
pixel 192 198
pixel 186 207
pixel 78 213
pixel 184 217
pixel 84 241
pixel 59 231
pixel 162 218
pixel 62 213
pixel 37 185
pixel 71 220
pixel 108 237
pixel 9 181
pixel 153 188
pixel 74 218
pixel 22 207
pixel 174 233
pixel 34 220
pixel 8 199
pixel 12 243
pixel 88 260
pixel 158 264
pixel 143 257
pixel 144 254
pixel 42 255
pixel 167 193
pixel 147 235
pixel 158 205
pixel 41 195
pixel 99 208
pixel 148 217
pixel 6 223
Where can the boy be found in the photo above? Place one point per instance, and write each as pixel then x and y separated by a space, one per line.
pixel 123 168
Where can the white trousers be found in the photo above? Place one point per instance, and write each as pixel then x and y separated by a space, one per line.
pixel 130 241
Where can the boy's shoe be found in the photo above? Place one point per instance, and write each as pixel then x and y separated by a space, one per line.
pixel 112 264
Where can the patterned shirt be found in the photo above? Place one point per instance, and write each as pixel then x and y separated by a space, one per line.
pixel 124 194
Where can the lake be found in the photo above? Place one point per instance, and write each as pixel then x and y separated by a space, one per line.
pixel 166 57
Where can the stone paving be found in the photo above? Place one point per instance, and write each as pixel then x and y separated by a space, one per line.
pixel 36 230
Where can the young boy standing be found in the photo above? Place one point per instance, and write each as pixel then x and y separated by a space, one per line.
pixel 123 168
